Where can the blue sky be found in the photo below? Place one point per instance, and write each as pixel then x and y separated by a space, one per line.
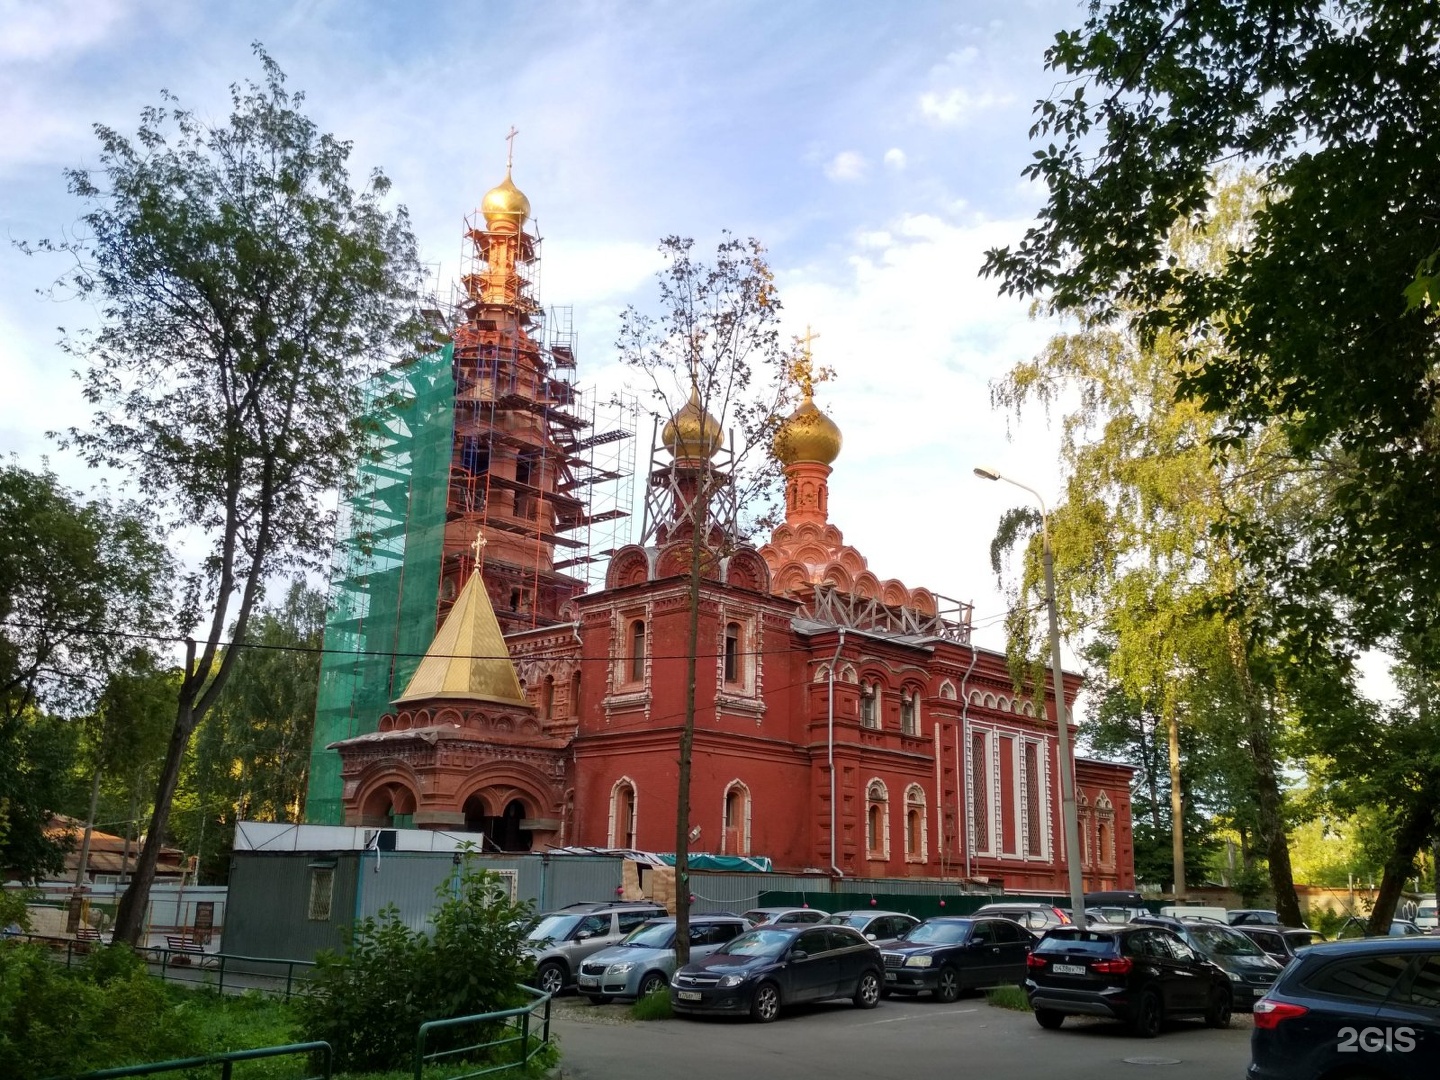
pixel 875 149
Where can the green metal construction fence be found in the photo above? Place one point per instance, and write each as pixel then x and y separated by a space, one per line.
pixel 385 580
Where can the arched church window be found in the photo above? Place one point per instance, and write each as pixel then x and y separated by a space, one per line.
pixel 622 813
pixel 736 837
pixel 869 705
pixel 877 820
pixel 916 840
pixel 910 712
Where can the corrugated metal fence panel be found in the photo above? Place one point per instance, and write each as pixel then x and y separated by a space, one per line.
pixel 269 906
pixel 407 879
pixel 739 892
pixel 570 879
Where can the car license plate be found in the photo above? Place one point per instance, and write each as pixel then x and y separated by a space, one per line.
pixel 1069 969
pixel 688 995
pixel 890 976
pixel 589 980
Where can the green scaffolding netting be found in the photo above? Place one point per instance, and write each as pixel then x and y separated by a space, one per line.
pixel 385 581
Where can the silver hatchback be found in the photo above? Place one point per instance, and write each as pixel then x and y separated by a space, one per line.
pixel 563 939
pixel 643 963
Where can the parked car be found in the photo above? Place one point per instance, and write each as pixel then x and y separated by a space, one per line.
pixel 762 971
pixel 1253 917
pixel 1250 970
pixel 1366 1008
pixel 1205 912
pixel 1034 917
pixel 1116 915
pixel 1427 918
pixel 1141 975
pixel 945 955
pixel 562 939
pixel 1281 942
pixel 784 916
pixel 877 926
pixel 643 963
pixel 1359 928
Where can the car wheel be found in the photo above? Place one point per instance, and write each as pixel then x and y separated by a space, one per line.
pixel 1218 1015
pixel 551 977
pixel 867 993
pixel 653 983
pixel 1147 1016
pixel 947 984
pixel 766 1005
pixel 1049 1019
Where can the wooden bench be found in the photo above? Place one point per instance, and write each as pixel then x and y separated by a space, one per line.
pixel 183 947
pixel 86 936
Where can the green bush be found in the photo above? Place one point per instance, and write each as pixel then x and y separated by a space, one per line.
pixel 1008 997
pixel 107 1012
pixel 654 1006
pixel 13 911
pixel 369 1001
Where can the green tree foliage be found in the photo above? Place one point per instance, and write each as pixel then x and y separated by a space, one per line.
pixel 715 347
pixel 369 1001
pixel 1324 311
pixel 109 1012
pixel 244 289
pixel 78 579
pixel 251 759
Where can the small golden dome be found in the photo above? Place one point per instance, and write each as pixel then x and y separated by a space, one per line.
pixel 505 202
pixel 693 433
pixel 808 435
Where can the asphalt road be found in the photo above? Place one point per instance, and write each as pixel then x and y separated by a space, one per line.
pixel 911 1038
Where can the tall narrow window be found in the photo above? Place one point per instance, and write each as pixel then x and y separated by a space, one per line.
pixel 1034 834
pixel 877 820
pixel 575 695
pixel 547 697
pixel 736 837
pixel 732 653
pixel 915 824
pixel 869 707
pixel 980 792
pixel 637 651
pixel 909 712
pixel 322 891
pixel 622 813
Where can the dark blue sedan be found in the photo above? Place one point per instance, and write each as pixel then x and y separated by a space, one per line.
pixel 768 968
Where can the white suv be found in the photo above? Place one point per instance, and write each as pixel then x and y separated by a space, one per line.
pixel 561 939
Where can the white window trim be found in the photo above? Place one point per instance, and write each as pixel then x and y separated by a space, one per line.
pixel 915 802
pixel 736 785
pixel 981 771
pixel 883 851
pixel 615 789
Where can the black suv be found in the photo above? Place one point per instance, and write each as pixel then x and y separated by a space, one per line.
pixel 1250 969
pixel 1142 975
pixel 1366 1008
pixel 946 954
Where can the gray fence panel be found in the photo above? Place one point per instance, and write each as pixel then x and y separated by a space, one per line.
pixel 407 879
pixel 269 906
pixel 571 879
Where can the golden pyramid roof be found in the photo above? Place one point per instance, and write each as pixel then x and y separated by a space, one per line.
pixel 468 658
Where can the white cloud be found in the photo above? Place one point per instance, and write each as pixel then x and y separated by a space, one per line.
pixel 958 106
pixel 895 158
pixel 846 166
pixel 37 30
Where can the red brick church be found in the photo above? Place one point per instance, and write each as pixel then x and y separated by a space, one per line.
pixel 844 723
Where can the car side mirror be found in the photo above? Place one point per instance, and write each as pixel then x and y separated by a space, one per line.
pixel 583 934
pixel 869 937
pixel 798 954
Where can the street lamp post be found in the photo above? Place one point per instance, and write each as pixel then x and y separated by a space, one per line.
pixel 1069 817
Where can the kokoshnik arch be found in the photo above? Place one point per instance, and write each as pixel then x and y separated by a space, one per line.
pixel 545 713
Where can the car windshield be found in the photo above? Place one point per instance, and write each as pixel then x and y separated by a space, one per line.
pixel 1299 938
pixel 652 936
pixel 1076 941
pixel 758 943
pixel 755 918
pixel 553 928
pixel 1425 911
pixel 1221 942
pixel 857 921
pixel 937 933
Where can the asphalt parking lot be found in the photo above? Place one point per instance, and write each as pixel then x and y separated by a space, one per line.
pixel 835 1041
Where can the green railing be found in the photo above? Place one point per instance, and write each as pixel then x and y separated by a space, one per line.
pixel 225 1061
pixel 514 1032
pixel 211 968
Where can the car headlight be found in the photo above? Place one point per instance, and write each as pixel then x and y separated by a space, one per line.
pixel 729 982
pixel 1234 976
pixel 919 961
pixel 620 969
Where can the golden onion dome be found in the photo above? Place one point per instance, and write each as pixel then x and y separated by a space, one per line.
pixel 693 432
pixel 808 435
pixel 505 202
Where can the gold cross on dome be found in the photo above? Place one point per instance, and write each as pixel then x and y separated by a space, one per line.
pixel 478 546
pixel 803 370
pixel 510 147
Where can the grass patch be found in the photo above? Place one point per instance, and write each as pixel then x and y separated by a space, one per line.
pixel 654 1006
pixel 1008 997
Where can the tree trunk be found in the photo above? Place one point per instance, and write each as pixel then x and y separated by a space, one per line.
pixel 89 830
pixel 130 913
pixel 1416 827
pixel 698 520
pixel 1177 804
